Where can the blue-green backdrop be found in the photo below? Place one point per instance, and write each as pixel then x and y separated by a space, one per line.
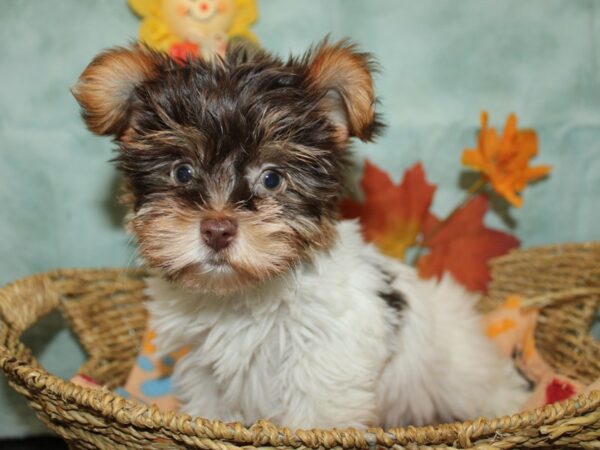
pixel 442 62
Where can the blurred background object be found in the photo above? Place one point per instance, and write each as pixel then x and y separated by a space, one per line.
pixel 200 28
pixel 441 63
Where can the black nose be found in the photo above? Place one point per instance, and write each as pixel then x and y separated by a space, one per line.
pixel 218 233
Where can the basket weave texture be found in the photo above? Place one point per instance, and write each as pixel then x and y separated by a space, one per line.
pixel 104 309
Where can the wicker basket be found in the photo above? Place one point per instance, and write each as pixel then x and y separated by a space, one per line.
pixel 104 310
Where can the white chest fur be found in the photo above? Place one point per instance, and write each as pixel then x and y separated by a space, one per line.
pixel 302 350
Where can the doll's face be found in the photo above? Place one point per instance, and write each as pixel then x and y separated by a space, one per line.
pixel 194 19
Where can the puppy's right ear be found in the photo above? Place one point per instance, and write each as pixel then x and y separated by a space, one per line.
pixel 105 88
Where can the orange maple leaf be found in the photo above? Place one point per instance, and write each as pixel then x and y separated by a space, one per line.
pixel 391 215
pixel 504 160
pixel 463 245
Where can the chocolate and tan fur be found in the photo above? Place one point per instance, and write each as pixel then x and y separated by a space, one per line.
pixel 234 169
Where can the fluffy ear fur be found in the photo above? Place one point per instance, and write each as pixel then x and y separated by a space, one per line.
pixel 345 75
pixel 104 89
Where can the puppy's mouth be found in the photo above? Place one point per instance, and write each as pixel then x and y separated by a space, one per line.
pixel 218 262
pixel 217 273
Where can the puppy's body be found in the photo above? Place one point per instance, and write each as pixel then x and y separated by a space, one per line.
pixel 234 170
pixel 351 339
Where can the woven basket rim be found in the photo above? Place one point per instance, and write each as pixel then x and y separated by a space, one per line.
pixel 109 404
pixel 263 432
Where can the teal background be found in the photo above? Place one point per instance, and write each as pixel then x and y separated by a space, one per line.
pixel 442 62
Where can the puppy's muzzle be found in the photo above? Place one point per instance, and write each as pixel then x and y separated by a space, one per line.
pixel 218 233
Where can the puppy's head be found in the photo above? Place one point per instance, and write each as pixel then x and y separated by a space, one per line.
pixel 233 168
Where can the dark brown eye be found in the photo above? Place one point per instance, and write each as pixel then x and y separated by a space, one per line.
pixel 183 173
pixel 271 180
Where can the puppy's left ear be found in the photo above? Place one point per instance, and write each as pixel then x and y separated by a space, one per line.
pixel 344 75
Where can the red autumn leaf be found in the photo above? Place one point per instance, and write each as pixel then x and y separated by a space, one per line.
pixel 391 215
pixel 394 216
pixel 463 245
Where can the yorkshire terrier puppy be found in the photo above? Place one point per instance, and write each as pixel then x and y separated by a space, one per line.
pixel 234 170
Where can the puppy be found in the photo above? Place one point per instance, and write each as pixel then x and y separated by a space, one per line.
pixel 234 170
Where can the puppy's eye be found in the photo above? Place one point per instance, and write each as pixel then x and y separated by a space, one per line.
pixel 271 180
pixel 183 173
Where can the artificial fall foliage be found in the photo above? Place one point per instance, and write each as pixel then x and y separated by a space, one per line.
pixel 504 160
pixel 397 217
pixel 463 245
pixel 392 215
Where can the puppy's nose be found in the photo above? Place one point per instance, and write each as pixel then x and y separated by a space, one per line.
pixel 218 233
